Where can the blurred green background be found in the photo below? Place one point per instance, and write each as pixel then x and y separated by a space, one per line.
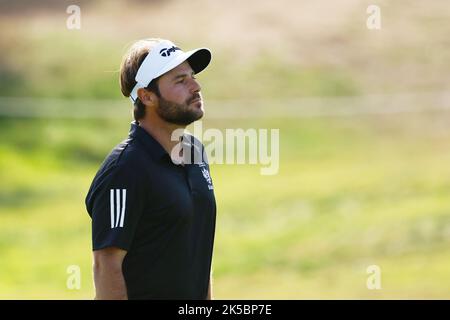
pixel 364 141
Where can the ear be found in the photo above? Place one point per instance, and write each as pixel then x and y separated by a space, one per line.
pixel 147 97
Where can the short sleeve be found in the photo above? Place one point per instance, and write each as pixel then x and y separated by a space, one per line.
pixel 116 208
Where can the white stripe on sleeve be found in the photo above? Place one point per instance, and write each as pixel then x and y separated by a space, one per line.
pixel 111 199
pixel 117 206
pixel 124 197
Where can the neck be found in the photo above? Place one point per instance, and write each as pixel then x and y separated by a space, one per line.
pixel 161 131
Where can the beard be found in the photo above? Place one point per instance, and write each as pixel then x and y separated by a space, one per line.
pixel 180 114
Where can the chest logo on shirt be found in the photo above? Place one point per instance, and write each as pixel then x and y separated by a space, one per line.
pixel 207 177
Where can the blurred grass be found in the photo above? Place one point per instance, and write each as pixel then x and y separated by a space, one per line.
pixel 77 68
pixel 348 195
pixel 351 191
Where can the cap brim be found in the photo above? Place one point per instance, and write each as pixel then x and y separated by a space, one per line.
pixel 198 60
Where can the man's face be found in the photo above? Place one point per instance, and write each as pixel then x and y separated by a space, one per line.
pixel 181 101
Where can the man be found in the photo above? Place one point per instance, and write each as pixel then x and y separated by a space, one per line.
pixel 153 209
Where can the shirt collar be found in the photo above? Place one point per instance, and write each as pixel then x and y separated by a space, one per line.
pixel 189 143
pixel 150 143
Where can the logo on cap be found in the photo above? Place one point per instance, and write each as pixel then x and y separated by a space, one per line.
pixel 165 52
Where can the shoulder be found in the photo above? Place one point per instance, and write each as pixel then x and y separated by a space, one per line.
pixel 125 160
pixel 123 168
pixel 127 154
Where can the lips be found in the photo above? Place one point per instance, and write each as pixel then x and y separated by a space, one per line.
pixel 196 100
pixel 196 97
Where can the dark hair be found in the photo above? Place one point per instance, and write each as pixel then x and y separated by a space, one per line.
pixel 131 62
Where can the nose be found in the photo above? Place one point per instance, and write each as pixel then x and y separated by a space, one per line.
pixel 195 86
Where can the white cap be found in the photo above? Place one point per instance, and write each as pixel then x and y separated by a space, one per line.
pixel 164 57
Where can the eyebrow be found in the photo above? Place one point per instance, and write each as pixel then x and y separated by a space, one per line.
pixel 183 75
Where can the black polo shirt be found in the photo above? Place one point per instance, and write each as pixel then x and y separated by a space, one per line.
pixel 161 213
